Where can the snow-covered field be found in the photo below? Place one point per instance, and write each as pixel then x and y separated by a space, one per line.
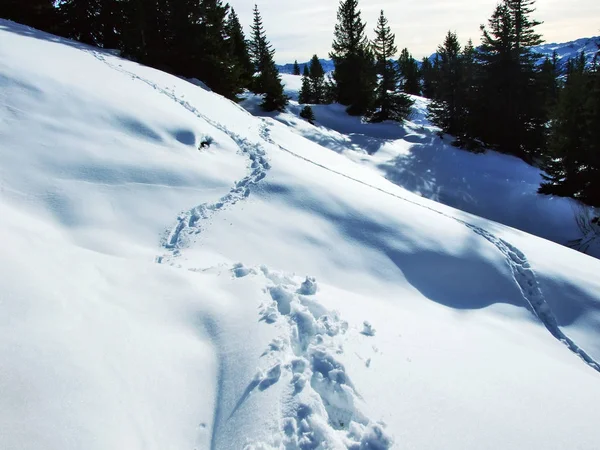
pixel 265 292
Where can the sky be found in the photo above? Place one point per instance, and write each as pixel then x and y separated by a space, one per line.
pixel 299 29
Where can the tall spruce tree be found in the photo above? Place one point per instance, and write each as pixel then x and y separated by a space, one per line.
pixel 354 72
pixel 429 75
pixel 317 81
pixel 259 49
pixel 572 165
pixel 296 68
pixel 409 72
pixel 239 49
pixel 241 65
pixel 305 94
pixel 267 81
pixel 389 103
pixel 445 110
pixel 513 116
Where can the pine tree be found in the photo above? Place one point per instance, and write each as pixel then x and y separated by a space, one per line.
pixel 214 62
pixel 429 75
pixel 317 81
pixel 80 20
pixel 274 98
pixel 389 103
pixel 513 117
pixel 548 81
pixel 409 71
pixel 238 48
pixel 445 110
pixel 354 73
pixel 296 70
pixel 35 13
pixel 572 165
pixel 568 135
pixel 268 80
pixel 591 192
pixel 305 95
pixel 308 114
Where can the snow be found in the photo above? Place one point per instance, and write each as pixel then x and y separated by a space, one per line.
pixel 265 291
pixel 415 157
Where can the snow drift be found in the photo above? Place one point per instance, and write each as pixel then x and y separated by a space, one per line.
pixel 263 292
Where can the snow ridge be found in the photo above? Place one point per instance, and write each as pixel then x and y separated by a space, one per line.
pixel 321 405
pixel 515 258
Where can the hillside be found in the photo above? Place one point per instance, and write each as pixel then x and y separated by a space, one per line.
pixel 264 292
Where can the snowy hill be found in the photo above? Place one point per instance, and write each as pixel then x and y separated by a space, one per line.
pixel 265 292
pixel 564 51
pixel 491 185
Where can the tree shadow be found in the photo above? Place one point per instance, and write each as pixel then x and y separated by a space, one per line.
pixel 425 170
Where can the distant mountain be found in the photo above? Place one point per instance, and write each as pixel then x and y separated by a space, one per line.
pixel 570 49
pixel 564 51
pixel 289 68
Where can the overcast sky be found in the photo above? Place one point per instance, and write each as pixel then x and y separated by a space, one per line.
pixel 299 28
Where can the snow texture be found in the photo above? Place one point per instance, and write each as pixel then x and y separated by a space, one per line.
pixel 289 286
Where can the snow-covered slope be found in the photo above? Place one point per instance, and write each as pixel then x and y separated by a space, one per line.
pixel 262 293
pixel 492 185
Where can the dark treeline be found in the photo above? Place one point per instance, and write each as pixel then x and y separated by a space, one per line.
pixel 191 38
pixel 365 78
pixel 495 96
pixel 499 96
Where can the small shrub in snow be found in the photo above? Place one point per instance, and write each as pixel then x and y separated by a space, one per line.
pixel 308 114
pixel 205 142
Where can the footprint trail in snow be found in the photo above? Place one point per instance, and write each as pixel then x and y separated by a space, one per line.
pixel 189 222
pixel 321 408
pixel 521 270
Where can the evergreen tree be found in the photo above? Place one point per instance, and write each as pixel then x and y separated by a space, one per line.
pixel 243 70
pixel 259 49
pixel 572 165
pixel 512 114
pixel 39 14
pixel 445 110
pixel 354 72
pixel 317 81
pixel 409 71
pixel 274 98
pixel 80 20
pixel 296 70
pixel 548 81
pixel 305 95
pixel 389 103
pixel 214 62
pixel 429 75
pixel 308 114
pixel 268 80
pixel 591 193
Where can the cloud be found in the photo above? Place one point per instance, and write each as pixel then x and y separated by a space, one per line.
pixel 298 29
